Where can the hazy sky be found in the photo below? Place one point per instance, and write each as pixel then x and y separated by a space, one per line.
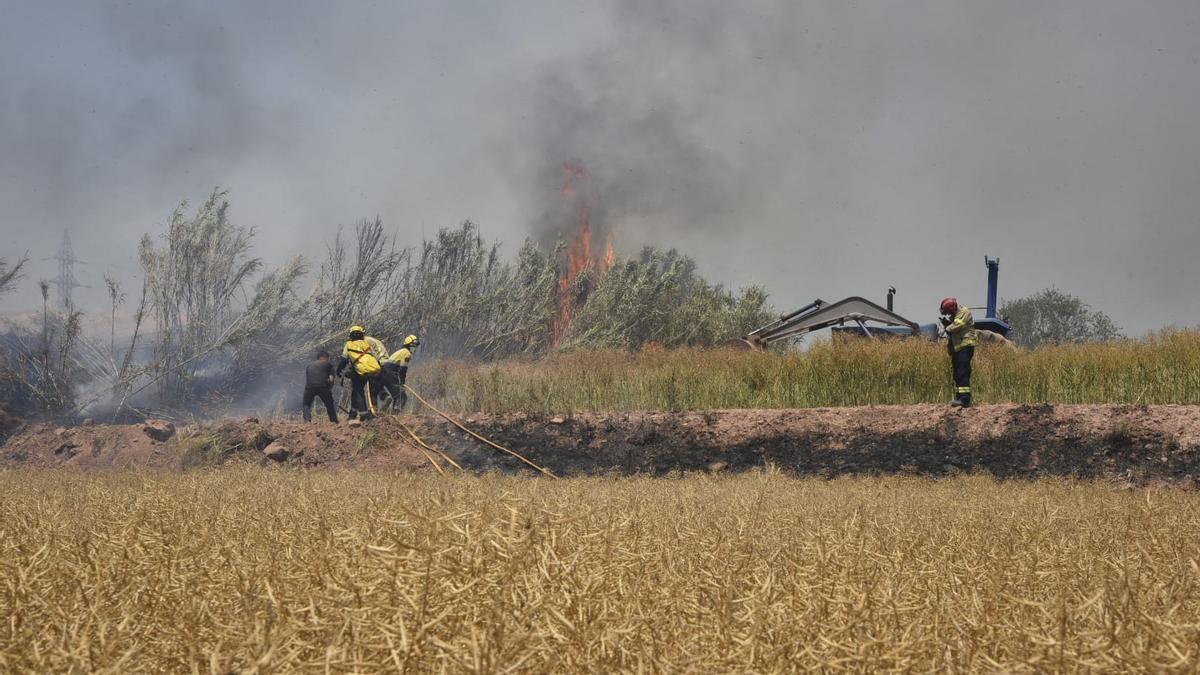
pixel 820 149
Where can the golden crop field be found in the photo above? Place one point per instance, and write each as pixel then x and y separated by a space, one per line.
pixel 1160 369
pixel 265 570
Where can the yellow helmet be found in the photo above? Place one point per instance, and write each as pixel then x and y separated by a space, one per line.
pixel 357 329
pixel 411 341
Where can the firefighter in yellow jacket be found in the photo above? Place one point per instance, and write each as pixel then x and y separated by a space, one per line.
pixel 960 329
pixel 363 367
pixel 395 371
pixel 380 352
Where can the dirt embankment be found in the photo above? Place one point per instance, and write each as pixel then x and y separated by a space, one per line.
pixel 1139 444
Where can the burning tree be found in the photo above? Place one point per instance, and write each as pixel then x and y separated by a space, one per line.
pixel 227 334
pixel 582 265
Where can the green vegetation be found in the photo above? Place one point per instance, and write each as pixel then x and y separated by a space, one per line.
pixel 1160 369
pixel 1054 317
pixel 367 440
pixel 659 298
pixel 201 451
pixel 275 571
pixel 224 329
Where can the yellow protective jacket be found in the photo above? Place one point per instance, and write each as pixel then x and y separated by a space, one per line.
pixel 401 356
pixel 362 357
pixel 377 349
pixel 962 330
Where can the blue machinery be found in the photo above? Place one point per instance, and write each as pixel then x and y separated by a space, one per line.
pixel 991 322
pixel 862 313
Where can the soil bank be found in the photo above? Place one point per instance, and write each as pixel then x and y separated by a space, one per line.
pixel 1123 443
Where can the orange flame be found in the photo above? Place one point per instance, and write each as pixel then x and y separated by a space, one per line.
pixel 578 255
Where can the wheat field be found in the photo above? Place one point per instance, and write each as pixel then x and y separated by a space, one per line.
pixel 259 570
pixel 1163 368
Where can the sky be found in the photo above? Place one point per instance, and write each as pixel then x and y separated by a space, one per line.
pixel 821 149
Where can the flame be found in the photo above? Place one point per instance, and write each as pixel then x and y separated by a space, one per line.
pixel 572 172
pixel 579 255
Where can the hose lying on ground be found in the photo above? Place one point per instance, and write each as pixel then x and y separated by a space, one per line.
pixel 422 445
pixel 432 461
pixel 458 424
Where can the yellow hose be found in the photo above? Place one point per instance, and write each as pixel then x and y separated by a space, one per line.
pixel 458 424
pixel 370 397
pixel 434 463
pixel 422 444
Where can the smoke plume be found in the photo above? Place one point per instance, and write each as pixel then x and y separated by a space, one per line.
pixel 821 149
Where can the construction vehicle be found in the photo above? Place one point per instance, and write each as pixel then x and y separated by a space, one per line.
pixel 868 319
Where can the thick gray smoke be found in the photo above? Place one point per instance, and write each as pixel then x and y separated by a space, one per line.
pixel 822 149
pixel 832 148
pixel 660 118
pixel 591 132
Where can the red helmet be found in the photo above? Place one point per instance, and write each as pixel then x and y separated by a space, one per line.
pixel 949 306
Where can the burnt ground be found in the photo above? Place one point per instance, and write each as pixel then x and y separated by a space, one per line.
pixel 1129 444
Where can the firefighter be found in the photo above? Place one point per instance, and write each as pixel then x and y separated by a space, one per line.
pixel 380 352
pixel 362 366
pixel 377 349
pixel 395 371
pixel 960 331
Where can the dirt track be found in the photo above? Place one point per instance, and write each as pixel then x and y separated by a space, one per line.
pixel 1135 444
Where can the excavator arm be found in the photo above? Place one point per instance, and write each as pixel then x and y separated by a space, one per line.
pixel 819 314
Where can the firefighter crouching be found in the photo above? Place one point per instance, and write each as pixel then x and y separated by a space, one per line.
pixel 362 366
pixel 960 329
pixel 395 371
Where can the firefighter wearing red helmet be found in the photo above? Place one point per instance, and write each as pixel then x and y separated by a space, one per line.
pixel 960 331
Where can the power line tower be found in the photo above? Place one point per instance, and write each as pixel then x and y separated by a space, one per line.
pixel 66 281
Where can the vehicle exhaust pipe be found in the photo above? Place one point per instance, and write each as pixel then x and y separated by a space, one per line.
pixel 993 267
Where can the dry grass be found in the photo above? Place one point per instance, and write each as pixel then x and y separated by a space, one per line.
pixel 1162 369
pixel 272 570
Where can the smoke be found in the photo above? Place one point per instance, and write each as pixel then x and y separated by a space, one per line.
pixel 819 148
pixel 828 149
pixel 641 162
pixel 177 101
pixel 642 114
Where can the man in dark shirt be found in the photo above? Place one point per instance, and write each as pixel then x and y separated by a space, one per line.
pixel 319 384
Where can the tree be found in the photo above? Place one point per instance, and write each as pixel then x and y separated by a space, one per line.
pixel 659 297
pixel 1052 316
pixel 194 280
pixel 10 274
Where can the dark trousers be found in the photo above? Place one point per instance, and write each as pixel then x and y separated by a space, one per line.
pixel 960 363
pixel 326 396
pixel 392 379
pixel 362 394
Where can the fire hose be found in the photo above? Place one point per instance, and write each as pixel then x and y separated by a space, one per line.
pixel 486 441
pixel 423 446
